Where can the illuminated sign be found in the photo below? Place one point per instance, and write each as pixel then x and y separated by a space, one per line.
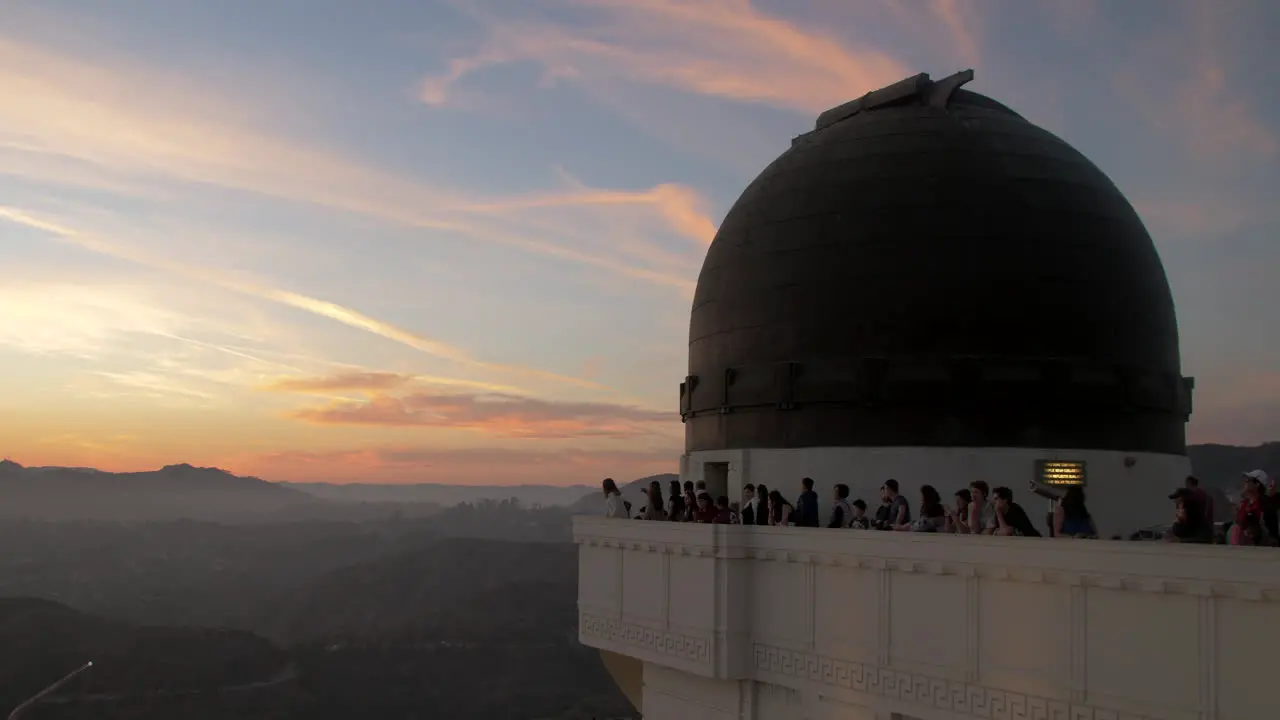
pixel 1060 472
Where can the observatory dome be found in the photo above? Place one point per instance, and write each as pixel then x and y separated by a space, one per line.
pixel 928 268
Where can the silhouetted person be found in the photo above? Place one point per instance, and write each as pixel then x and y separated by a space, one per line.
pixel 932 516
pixel 841 510
pixel 1189 524
pixel 762 506
pixel 690 502
pixel 1271 510
pixel 725 514
pixel 1011 519
pixel 807 505
pixel 704 510
pixel 860 520
pixel 899 512
pixel 1201 498
pixel 1071 518
pixel 613 502
pixel 982 509
pixel 1249 511
pixel 677 502
pixel 780 511
pixel 958 519
pixel 749 504
pixel 653 509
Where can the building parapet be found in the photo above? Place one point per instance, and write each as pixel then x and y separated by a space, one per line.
pixel 1059 628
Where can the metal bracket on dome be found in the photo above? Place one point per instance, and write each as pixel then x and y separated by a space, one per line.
pixel 1186 390
pixel 940 92
pixel 901 90
pixel 686 395
pixel 729 376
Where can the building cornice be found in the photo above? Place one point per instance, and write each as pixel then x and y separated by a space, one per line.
pixel 963 698
pixel 1197 570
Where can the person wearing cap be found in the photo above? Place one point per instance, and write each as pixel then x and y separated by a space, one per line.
pixel 1248 521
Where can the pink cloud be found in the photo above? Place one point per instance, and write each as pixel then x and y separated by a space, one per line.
pixel 498 415
pixel 1179 80
pixel 471 466
pixel 722 48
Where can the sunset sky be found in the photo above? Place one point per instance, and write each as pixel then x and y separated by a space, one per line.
pixel 456 240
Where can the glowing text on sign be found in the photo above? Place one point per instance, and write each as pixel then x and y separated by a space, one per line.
pixel 1060 472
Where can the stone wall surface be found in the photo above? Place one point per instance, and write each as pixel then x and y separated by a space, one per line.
pixel 765 623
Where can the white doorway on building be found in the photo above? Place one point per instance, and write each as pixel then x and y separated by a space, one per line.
pixel 716 475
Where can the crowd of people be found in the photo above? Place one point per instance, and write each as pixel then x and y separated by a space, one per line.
pixel 977 509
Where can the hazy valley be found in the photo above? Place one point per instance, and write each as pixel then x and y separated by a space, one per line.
pixel 199 594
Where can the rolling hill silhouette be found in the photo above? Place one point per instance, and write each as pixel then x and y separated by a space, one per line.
pixel 174 491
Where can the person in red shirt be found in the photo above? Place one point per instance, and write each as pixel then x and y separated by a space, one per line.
pixel 1248 522
pixel 704 511
pixel 1199 496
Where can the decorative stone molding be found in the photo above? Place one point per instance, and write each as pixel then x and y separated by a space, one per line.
pixel 662 642
pixel 965 698
pixel 1134 567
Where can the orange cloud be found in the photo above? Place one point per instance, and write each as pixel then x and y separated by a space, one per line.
pixel 682 207
pixel 960 19
pixel 471 466
pixel 343 381
pixel 376 382
pixel 500 415
pixel 722 48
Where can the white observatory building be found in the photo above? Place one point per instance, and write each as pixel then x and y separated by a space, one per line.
pixel 927 287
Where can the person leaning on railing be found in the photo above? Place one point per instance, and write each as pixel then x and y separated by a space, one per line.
pixel 1071 518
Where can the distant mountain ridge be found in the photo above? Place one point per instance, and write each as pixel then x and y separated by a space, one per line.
pixel 442 494
pixel 210 494
pixel 174 491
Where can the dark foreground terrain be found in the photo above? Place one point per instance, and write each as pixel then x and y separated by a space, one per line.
pixel 383 619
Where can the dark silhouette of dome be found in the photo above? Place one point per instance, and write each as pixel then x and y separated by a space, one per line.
pixel 928 268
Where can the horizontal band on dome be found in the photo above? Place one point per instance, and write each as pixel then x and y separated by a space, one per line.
pixel 956 385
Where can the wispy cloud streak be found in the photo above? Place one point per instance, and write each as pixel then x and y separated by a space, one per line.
pixel 723 48
pixel 333 311
pixel 137 129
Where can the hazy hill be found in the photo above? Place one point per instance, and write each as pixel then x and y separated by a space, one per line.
pixel 1222 465
pixel 175 491
pixel 462 628
pixel 452 589
pixel 41 641
pixel 440 494
pixel 592 503
pixel 184 572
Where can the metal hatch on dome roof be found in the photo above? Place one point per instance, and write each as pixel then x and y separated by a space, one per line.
pixel 936 94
